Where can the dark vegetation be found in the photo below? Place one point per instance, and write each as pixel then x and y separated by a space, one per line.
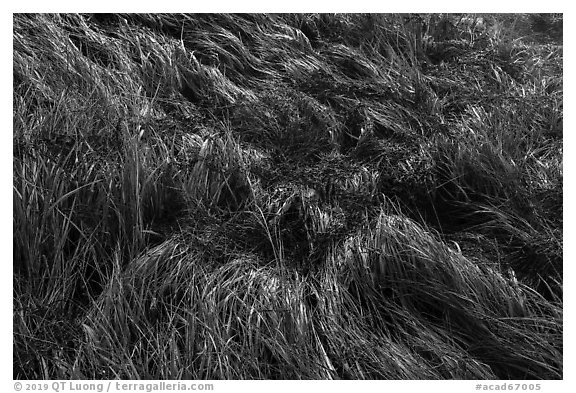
pixel 287 196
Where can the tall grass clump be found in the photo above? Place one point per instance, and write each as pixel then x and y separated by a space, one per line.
pixel 287 196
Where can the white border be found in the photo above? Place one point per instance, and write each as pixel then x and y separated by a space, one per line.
pixel 295 6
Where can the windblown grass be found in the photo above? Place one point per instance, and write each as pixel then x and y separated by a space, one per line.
pixel 287 196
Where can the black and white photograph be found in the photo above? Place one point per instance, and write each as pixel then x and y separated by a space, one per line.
pixel 287 196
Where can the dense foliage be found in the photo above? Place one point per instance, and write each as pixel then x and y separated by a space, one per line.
pixel 287 196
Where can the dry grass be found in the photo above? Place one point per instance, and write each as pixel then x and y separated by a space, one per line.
pixel 287 196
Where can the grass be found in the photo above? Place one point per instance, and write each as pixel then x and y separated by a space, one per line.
pixel 303 196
